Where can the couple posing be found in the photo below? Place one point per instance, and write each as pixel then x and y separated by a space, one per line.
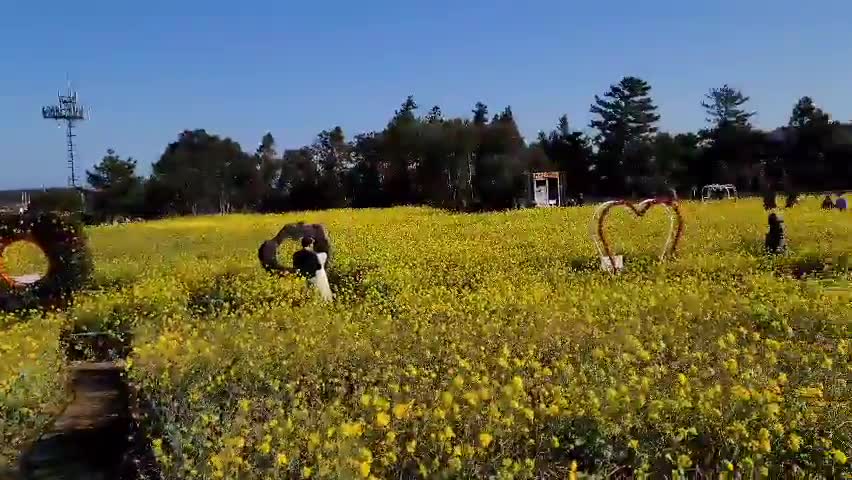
pixel 310 262
pixel 311 265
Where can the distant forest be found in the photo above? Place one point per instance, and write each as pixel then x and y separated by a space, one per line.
pixel 481 162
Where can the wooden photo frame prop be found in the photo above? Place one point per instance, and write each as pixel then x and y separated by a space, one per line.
pixel 614 263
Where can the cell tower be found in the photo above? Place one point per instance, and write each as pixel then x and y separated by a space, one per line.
pixel 69 111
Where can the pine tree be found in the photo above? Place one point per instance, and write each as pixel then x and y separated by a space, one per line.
pixel 626 122
pixel 805 113
pixel 480 114
pixel 724 107
pixel 434 115
pixel 627 112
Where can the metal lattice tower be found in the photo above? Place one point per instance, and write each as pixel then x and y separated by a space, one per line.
pixel 69 111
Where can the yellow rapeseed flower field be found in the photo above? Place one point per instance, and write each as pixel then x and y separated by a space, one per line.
pixel 465 345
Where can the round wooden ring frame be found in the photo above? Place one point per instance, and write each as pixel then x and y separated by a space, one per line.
pixel 4 275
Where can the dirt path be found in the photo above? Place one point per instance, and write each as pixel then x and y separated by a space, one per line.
pixel 89 440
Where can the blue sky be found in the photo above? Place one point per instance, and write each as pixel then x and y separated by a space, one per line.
pixel 151 69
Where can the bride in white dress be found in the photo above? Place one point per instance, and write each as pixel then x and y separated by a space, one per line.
pixel 320 280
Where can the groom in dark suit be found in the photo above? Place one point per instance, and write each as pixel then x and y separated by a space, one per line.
pixel 305 261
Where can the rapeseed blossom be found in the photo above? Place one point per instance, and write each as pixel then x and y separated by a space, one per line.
pixel 472 346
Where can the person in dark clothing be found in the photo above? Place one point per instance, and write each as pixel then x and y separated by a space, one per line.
pixel 775 240
pixel 317 231
pixel 769 200
pixel 580 200
pixel 792 200
pixel 305 261
pixel 827 204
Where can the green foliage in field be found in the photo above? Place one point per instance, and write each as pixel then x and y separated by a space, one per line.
pixel 475 345
pixel 32 377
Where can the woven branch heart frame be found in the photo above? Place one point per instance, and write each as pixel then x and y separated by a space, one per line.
pixel 638 209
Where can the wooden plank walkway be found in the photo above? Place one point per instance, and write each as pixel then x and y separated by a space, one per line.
pixel 89 439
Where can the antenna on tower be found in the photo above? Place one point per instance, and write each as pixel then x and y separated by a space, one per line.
pixel 69 111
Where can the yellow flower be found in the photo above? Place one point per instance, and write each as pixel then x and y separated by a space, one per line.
pixel 460 334
pixel 517 384
pixel 400 410
pixel 764 444
pixel 809 392
pixel 382 419
pixel 264 448
pixel 353 429
pixel 364 469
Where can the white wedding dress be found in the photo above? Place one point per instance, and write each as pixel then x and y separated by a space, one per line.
pixel 320 280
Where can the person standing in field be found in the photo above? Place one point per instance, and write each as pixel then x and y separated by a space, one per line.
pixel 841 203
pixel 310 265
pixel 317 231
pixel 792 199
pixel 827 204
pixel 768 200
pixel 775 241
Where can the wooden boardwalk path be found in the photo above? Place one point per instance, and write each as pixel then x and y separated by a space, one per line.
pixel 91 437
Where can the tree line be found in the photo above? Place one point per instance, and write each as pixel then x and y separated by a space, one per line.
pixel 481 162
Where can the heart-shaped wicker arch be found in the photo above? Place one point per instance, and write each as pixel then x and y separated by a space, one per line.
pixel 672 240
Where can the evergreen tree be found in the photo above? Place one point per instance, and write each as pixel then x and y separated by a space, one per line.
pixel 724 107
pixel 805 113
pixel 571 152
pixel 434 115
pixel 332 155
pixel 203 173
pixel 497 172
pixel 733 150
pixel 400 148
pixel 807 145
pixel 267 165
pixel 480 114
pixel 626 118
pixel 118 190
pixel 406 111
pixel 364 181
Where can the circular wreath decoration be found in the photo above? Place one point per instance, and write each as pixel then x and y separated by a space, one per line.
pixel 69 261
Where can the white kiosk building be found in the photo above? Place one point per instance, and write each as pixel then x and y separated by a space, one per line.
pixel 546 189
